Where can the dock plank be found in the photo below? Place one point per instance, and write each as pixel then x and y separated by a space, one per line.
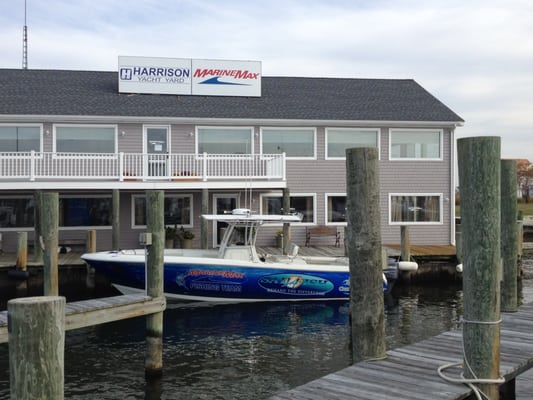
pixel 410 372
pixel 85 313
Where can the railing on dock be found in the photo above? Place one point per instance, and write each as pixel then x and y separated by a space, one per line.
pixel 33 166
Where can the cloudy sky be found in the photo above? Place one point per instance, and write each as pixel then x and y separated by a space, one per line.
pixel 476 56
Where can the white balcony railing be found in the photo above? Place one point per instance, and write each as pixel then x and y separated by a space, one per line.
pixel 34 166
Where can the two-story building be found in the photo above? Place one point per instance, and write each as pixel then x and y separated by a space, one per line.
pixel 75 133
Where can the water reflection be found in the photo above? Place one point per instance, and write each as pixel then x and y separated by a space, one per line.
pixel 237 351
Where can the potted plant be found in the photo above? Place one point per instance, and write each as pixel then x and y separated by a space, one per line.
pixel 171 233
pixel 186 238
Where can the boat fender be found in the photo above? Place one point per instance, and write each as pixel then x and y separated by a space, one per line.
pixel 407 266
pixel 459 268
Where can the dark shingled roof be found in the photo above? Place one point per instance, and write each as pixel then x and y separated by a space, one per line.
pixel 95 93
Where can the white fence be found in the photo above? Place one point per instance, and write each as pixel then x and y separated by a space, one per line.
pixel 146 167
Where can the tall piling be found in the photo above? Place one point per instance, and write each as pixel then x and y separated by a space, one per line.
pixel 115 219
pixel 154 281
pixel 286 226
pixel 479 179
pixel 37 233
pixel 509 236
pixel 36 327
pixel 204 227
pixel 405 243
pixel 22 251
pixel 49 228
pixel 364 251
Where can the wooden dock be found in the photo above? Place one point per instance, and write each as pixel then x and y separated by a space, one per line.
pixel 410 372
pixel 84 313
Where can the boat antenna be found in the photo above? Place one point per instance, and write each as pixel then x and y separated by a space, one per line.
pixel 25 41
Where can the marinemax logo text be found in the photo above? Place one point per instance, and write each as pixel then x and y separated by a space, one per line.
pixel 234 73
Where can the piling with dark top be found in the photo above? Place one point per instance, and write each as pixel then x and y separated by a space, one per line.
pixel 36 327
pixel 90 247
pixel 405 243
pixel 115 220
pixel 479 178
pixel 154 280
pixel 364 251
pixel 22 251
pixel 204 227
pixel 49 227
pixel 509 236
pixel 37 249
pixel 286 226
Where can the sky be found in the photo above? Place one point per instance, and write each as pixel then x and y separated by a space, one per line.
pixel 476 56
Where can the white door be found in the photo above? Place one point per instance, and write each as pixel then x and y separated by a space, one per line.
pixel 222 204
pixel 156 150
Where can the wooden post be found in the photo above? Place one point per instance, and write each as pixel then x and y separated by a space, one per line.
pixel 22 251
pixel 405 243
pixel 286 227
pixel 37 207
pixel 154 280
pixel 90 247
pixel 509 236
pixel 90 241
pixel 479 177
pixel 115 219
pixel 36 327
pixel 204 226
pixel 49 225
pixel 364 252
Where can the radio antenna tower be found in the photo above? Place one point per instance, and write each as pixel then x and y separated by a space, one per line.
pixel 25 41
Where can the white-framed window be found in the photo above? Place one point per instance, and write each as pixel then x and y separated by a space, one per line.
pixel 335 208
pixel 85 211
pixel 415 144
pixel 305 203
pixel 415 208
pixel 16 212
pixel 340 139
pixel 93 139
pixel 177 209
pixel 296 143
pixel 17 138
pixel 224 140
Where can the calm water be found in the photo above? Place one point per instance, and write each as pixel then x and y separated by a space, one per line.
pixel 239 351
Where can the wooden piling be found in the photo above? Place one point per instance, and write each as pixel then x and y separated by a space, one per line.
pixel 22 251
pixel 154 280
pixel 90 247
pixel 49 226
pixel 364 252
pixel 509 236
pixel 36 327
pixel 286 227
pixel 115 219
pixel 37 233
pixel 204 227
pixel 405 243
pixel 479 177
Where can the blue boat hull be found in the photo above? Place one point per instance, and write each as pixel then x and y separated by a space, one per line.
pixel 220 282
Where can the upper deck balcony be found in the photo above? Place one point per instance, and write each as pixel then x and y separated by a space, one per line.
pixel 35 170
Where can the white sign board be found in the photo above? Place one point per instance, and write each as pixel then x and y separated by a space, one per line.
pixel 189 77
